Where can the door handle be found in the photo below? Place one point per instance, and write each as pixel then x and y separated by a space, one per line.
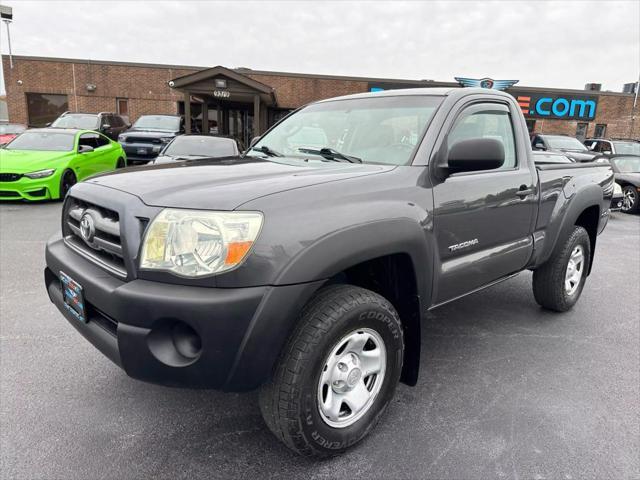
pixel 523 191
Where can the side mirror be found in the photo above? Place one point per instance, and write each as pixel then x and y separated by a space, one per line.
pixel 85 149
pixel 607 152
pixel 539 146
pixel 254 140
pixel 106 126
pixel 475 155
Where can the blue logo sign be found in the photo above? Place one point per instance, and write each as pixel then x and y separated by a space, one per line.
pixel 486 83
pixel 546 105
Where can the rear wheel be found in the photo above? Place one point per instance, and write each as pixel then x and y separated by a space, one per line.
pixel 121 163
pixel 630 199
pixel 67 181
pixel 337 374
pixel 558 283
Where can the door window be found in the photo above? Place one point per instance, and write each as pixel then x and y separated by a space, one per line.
pixel 101 141
pixel 486 121
pixel 89 139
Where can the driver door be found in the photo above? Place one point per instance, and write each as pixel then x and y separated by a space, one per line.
pixel 483 220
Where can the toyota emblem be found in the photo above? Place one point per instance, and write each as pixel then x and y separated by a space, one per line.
pixel 87 228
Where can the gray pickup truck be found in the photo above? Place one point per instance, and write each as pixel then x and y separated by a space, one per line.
pixel 304 267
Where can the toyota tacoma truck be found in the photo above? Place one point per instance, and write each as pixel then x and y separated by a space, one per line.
pixel 304 267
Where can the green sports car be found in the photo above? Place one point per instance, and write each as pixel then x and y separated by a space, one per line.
pixel 44 163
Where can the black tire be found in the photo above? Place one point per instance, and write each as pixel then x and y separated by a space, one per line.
pixel 630 199
pixel 121 163
pixel 67 181
pixel 549 287
pixel 289 402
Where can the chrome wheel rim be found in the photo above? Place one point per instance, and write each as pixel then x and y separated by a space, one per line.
pixel 575 268
pixel 629 199
pixel 351 378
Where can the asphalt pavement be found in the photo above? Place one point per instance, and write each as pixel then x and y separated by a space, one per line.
pixel 507 390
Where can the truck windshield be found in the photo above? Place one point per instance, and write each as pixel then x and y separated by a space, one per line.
pixel 627 148
pixel 43 141
pixel 81 121
pixel 158 122
pixel 384 130
pixel 558 142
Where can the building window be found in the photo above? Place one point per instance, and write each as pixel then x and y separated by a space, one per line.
pixel 122 106
pixel 531 125
pixel 581 131
pixel 44 108
pixel 601 130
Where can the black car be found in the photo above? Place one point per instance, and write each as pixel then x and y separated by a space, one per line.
pixel 147 137
pixel 108 124
pixel 195 147
pixel 570 146
pixel 613 146
pixel 626 169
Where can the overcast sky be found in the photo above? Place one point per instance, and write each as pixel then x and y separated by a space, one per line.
pixel 553 44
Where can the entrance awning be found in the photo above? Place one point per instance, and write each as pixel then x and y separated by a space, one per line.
pixel 240 87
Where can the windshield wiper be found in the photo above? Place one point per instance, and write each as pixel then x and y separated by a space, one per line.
pixel 331 154
pixel 267 151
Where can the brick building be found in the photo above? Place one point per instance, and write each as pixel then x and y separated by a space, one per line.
pixel 244 102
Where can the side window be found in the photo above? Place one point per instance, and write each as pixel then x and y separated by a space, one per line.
pixel 486 121
pixel 89 139
pixel 101 141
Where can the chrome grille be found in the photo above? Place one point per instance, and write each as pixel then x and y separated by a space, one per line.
pixel 94 232
pixel 10 177
pixel 142 140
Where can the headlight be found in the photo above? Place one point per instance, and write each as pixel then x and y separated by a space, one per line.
pixel 194 243
pixel 122 138
pixel 40 173
pixel 617 189
pixel 166 139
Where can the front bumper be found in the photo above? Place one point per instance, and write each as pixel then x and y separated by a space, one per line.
pixel 240 331
pixel 28 189
pixel 616 203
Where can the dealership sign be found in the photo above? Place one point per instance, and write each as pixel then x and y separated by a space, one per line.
pixel 489 83
pixel 546 105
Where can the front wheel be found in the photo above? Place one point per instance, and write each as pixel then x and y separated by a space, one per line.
pixel 558 283
pixel 67 181
pixel 121 163
pixel 630 199
pixel 337 374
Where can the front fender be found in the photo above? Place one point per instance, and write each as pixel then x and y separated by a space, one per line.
pixel 355 244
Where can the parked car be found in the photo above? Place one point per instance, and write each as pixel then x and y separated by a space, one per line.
pixel 626 169
pixel 108 124
pixel 148 136
pixel 9 131
pixel 569 146
pixel 305 271
pixel 43 163
pixel 550 158
pixel 613 146
pixel 194 147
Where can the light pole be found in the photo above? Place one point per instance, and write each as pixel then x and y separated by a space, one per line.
pixel 6 13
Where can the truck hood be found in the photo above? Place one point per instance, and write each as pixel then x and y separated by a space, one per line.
pixel 25 161
pixel 579 156
pixel 225 184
